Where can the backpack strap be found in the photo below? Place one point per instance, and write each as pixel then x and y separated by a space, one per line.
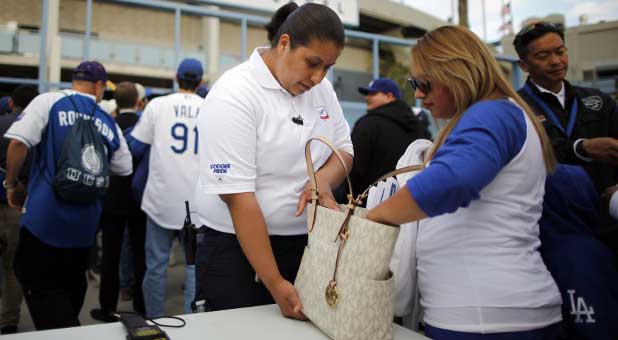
pixel 94 107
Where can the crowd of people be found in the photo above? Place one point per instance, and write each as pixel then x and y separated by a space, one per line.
pixel 237 156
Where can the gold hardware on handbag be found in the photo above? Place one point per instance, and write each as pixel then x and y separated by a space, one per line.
pixel 332 297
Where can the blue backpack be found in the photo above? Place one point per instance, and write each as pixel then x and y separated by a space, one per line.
pixel 82 170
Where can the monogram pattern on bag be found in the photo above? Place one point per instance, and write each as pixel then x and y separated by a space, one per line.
pixel 364 284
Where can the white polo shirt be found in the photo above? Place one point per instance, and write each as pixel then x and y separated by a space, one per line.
pixel 251 144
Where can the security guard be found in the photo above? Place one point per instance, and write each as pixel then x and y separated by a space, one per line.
pixel 581 122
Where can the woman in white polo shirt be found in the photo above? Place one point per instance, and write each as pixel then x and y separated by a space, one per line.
pixel 480 273
pixel 253 126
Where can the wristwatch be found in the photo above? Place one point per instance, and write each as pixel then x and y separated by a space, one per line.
pixel 579 148
pixel 8 186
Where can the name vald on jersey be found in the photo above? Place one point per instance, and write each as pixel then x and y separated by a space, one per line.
pixel 67 118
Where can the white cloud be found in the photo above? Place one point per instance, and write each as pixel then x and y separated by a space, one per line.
pixel 595 10
pixel 521 10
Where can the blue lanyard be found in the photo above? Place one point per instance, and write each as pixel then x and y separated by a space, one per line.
pixel 551 114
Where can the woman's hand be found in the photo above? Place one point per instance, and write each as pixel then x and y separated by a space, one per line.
pixel 325 199
pixel 287 298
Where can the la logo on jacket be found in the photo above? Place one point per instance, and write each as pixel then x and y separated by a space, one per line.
pixel 579 308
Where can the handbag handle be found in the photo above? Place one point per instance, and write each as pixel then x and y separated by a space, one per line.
pixel 314 184
pixel 352 202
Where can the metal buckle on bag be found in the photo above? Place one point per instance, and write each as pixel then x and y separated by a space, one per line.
pixel 345 233
pixel 332 296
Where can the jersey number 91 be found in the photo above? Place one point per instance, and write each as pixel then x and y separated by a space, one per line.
pixel 181 133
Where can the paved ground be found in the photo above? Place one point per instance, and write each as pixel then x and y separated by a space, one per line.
pixel 174 303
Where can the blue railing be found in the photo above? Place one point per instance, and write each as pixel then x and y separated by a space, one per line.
pixel 94 48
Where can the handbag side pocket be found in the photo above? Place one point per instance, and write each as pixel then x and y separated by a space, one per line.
pixel 368 316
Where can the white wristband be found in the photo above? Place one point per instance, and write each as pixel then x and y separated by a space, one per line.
pixel 585 159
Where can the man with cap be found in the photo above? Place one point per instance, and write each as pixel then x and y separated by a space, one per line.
pixel 56 235
pixel 169 126
pixel 382 135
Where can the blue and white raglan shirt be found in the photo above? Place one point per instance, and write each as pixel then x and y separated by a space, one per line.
pixel 43 127
pixel 478 264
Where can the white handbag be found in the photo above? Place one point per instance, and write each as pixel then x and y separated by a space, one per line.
pixel 344 281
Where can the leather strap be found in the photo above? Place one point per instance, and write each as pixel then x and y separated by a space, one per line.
pixel 396 172
pixel 352 201
pixel 314 184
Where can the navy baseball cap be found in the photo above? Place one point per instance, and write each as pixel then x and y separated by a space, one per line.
pixel 190 69
pixel 5 106
pixel 384 85
pixel 91 71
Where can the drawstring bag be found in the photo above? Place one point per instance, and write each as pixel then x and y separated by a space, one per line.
pixel 82 170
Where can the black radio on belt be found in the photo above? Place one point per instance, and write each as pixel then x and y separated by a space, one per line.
pixel 190 238
pixel 139 329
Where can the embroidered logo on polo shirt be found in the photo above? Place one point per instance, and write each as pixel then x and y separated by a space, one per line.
pixel 593 102
pixel 323 113
pixel 220 168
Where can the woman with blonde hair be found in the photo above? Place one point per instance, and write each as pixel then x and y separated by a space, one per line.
pixel 480 272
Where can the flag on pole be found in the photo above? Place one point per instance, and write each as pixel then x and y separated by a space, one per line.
pixel 506 9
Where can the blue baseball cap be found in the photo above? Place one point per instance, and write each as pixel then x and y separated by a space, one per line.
pixel 91 71
pixel 190 69
pixel 384 85
pixel 5 106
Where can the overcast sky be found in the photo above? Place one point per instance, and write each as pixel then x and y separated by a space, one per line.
pixel 596 10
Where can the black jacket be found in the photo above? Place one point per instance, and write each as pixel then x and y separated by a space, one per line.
pixel 119 200
pixel 597 116
pixel 380 138
pixel 6 120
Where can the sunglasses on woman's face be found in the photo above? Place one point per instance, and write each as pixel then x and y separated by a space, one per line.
pixel 422 85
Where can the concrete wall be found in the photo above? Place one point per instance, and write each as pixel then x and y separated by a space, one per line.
pixel 155 27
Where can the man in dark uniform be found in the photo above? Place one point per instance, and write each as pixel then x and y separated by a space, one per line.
pixel 582 123
pixel 382 135
pixel 121 210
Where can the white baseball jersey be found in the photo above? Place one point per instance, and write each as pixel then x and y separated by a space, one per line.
pixel 169 125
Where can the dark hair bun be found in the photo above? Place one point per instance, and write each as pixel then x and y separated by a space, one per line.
pixel 278 19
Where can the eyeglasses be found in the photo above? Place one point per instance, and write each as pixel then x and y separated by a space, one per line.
pixel 422 85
